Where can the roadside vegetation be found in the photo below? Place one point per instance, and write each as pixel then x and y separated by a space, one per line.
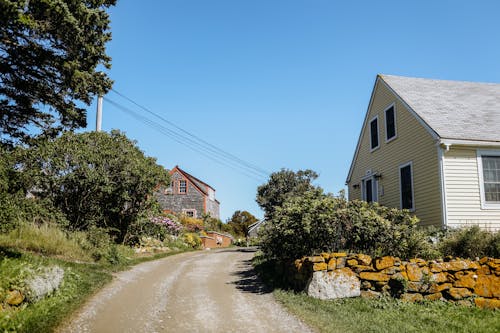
pixel 302 220
pixel 73 210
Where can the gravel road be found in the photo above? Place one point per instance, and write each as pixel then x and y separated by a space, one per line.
pixel 209 291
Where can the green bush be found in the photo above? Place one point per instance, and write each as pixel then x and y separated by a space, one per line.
pixel 470 242
pixel 316 222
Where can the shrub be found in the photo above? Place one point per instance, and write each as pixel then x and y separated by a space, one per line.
pixel 191 224
pixel 158 227
pixel 316 222
pixel 470 242
pixel 192 240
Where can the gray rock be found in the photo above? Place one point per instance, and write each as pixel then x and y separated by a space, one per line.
pixel 340 283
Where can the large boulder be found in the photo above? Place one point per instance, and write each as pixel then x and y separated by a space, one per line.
pixel 339 283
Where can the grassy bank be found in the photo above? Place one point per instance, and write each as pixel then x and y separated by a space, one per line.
pixel 81 280
pixel 387 315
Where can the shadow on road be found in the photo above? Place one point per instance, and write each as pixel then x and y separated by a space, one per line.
pixel 248 280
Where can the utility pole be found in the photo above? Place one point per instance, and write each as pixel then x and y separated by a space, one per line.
pixel 98 122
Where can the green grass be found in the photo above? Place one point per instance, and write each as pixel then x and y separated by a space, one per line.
pixel 387 315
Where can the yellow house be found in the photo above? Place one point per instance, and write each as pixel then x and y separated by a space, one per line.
pixel 433 147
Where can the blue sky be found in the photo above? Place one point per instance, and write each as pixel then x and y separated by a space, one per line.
pixel 281 84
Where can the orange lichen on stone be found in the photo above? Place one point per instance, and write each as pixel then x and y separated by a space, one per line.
pixel 484 270
pixel 487 303
pixel 332 264
pixel 373 276
pixel 436 288
pixel 487 286
pixel 14 297
pixel 384 262
pixel 325 255
pixel 459 293
pixel 418 261
pixel 414 272
pixel 364 259
pixel 434 297
pixel 351 262
pixel 465 280
pixel 338 254
pixel 340 262
pixel 440 277
pixel 362 268
pixel 320 266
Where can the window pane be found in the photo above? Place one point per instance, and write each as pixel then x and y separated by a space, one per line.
pixel 406 189
pixel 374 133
pixel 390 124
pixel 182 186
pixel 491 176
pixel 368 189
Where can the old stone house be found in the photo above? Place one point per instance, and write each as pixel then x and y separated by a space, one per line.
pixel 188 195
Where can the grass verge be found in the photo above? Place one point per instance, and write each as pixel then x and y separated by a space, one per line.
pixel 81 280
pixel 387 315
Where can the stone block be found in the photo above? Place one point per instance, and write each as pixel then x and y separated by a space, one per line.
pixel 14 297
pixel 391 270
pixel 458 293
pixel 465 280
pixel 436 288
pixel 408 297
pixel 487 286
pixel 364 259
pixel 487 303
pixel 320 266
pixel 338 255
pixel 340 283
pixel 433 297
pixel 366 285
pixel 361 268
pixel 325 256
pixel 414 272
pixel 483 260
pixel 436 267
pixel 351 262
pixel 316 259
pixel 341 262
pixel 440 277
pixel 415 286
pixel 419 262
pixel 332 264
pixel 374 276
pixel 484 270
pixel 384 262
pixel 370 294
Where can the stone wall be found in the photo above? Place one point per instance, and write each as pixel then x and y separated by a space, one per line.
pixel 338 275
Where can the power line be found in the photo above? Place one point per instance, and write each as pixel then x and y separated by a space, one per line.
pixel 188 142
pixel 207 144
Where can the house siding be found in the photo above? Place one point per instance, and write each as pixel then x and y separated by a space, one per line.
pixel 175 202
pixel 413 144
pixel 213 208
pixel 463 196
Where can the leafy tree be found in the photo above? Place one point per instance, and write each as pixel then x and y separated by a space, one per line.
pixel 49 54
pixel 95 179
pixel 239 223
pixel 283 185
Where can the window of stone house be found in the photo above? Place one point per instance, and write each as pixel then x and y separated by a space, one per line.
pixel 182 186
pixel 190 212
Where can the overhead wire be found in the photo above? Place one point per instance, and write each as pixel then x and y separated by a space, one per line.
pixel 210 146
pixel 193 145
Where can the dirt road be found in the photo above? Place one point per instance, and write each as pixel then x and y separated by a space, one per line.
pixel 209 291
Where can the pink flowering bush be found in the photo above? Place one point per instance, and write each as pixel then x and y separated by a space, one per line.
pixel 172 227
pixel 158 227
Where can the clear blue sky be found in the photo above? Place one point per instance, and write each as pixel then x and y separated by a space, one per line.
pixel 281 84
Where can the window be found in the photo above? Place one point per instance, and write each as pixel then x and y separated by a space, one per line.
pixel 406 186
pixel 189 212
pixel 390 123
pixel 182 186
pixel 489 178
pixel 374 133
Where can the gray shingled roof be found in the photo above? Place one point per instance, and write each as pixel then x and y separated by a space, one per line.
pixel 453 109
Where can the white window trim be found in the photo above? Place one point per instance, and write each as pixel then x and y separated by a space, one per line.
pixel 401 166
pixel 378 134
pixel 393 105
pixel 479 154
pixel 179 186
pixel 374 187
pixel 184 211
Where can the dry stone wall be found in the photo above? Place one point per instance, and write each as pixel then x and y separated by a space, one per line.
pixel 338 275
